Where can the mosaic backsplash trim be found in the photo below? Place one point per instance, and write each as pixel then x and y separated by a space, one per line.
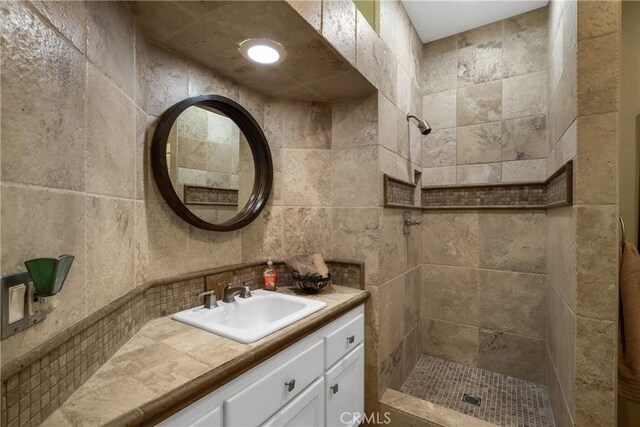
pixel 559 190
pixel 399 193
pixel 38 388
pixel 196 195
pixel 32 394
pixel 556 191
pixel 470 197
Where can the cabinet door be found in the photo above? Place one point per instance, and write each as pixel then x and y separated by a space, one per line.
pixel 306 410
pixel 195 417
pixel 344 390
pixel 278 386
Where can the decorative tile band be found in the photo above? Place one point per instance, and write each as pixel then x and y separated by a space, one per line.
pixel 554 192
pixel 514 196
pixel 398 193
pixel 37 383
pixel 560 187
pixel 197 195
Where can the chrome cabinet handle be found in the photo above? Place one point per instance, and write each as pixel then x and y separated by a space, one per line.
pixel 334 388
pixel 351 339
pixel 290 385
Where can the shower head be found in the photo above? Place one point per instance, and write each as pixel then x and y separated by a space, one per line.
pixel 423 126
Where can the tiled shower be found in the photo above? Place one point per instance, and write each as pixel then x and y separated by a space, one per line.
pixel 501 338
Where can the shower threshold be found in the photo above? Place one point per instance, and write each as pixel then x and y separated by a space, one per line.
pixel 488 396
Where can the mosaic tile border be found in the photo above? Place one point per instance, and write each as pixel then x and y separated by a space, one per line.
pixel 556 191
pixel 199 195
pixel 398 193
pixel 36 384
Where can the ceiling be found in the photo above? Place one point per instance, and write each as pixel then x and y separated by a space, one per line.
pixel 437 19
pixel 209 32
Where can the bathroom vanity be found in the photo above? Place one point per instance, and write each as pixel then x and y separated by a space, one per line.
pixel 317 381
pixel 169 373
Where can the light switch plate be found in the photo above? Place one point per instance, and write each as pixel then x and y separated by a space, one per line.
pixel 16 302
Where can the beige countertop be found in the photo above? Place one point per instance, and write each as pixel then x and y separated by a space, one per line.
pixel 169 364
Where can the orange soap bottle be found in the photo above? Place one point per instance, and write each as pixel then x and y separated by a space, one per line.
pixel 270 277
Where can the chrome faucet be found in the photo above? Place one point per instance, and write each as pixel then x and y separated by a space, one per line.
pixel 210 300
pixel 230 292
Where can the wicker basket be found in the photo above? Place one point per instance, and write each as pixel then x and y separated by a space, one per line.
pixel 310 284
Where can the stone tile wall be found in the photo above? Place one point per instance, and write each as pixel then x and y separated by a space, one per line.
pixel 484 94
pixel 370 137
pixel 93 173
pixel 582 258
pixel 484 289
pixel 400 155
pixel 328 175
pixel 561 223
pixel 98 87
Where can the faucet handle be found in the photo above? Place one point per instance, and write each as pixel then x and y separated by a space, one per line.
pixel 204 294
pixel 210 300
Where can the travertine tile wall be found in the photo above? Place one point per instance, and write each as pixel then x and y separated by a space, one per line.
pixel 94 184
pixel 561 223
pixel 399 149
pixel 79 182
pixel 370 137
pixel 485 98
pixel 484 290
pixel 582 240
pixel 103 97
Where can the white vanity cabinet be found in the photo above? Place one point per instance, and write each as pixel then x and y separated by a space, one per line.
pixel 316 382
pixel 344 391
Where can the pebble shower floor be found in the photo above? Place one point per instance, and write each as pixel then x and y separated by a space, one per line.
pixel 505 401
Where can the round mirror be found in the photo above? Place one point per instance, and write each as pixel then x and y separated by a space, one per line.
pixel 212 163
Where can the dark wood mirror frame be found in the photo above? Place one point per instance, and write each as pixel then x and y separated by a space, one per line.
pixel 263 165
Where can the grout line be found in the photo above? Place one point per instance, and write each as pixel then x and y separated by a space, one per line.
pixel 483 327
pixel 485 269
pixel 562 298
pixel 557 378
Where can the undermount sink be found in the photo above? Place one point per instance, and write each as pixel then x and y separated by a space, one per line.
pixel 248 320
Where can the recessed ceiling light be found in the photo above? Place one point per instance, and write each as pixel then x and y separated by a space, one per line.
pixel 263 51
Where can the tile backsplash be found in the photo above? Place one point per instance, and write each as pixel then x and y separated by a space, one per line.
pixel 34 385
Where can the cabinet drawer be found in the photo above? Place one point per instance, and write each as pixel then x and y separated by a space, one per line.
pixel 306 410
pixel 343 340
pixel 344 390
pixel 263 398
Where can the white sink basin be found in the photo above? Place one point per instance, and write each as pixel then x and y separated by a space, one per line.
pixel 248 320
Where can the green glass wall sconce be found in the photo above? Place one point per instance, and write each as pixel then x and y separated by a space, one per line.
pixel 49 274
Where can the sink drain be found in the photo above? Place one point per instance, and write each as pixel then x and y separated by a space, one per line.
pixel 469 398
